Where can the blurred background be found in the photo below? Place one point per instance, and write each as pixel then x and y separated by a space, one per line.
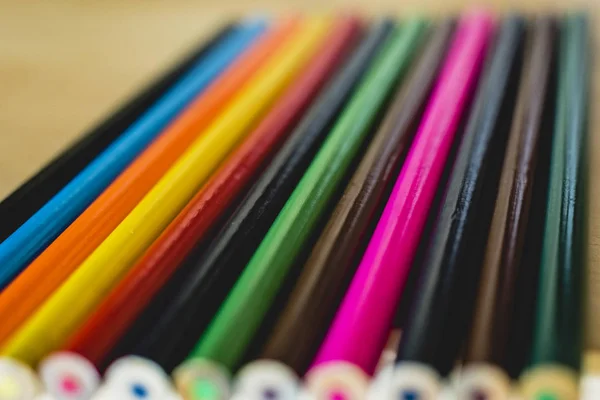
pixel 64 64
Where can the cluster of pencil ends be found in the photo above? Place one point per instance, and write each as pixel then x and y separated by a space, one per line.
pixel 317 208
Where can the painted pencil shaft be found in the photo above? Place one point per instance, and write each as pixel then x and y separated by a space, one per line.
pixel 526 285
pixel 449 273
pixel 191 300
pixel 21 204
pixel 68 307
pixel 319 288
pixel 559 321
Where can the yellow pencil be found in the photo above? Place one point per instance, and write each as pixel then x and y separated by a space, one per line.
pixel 68 307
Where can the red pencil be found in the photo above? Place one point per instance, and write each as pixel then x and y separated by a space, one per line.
pixel 106 325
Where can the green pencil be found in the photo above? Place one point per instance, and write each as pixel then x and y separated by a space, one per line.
pixel 231 331
pixel 557 347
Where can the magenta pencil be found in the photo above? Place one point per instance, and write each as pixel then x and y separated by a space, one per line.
pixel 362 323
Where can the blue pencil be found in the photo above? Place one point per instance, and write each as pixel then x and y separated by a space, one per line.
pixel 49 221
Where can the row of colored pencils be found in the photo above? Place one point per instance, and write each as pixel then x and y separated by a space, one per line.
pixel 318 208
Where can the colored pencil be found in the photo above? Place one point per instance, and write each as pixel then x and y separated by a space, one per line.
pixel 21 204
pixel 359 331
pixel 18 381
pixel 487 348
pixel 50 220
pixel 520 335
pixel 320 287
pixel 557 345
pixel 191 301
pixel 133 378
pixel 50 269
pixel 116 313
pixel 447 280
pixel 264 378
pixel 67 308
pixel 232 329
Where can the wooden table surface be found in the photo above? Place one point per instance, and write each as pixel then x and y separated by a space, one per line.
pixel 64 64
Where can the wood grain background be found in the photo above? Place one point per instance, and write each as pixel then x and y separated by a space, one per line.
pixel 64 64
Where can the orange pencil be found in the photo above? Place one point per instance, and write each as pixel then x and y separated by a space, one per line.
pixel 46 273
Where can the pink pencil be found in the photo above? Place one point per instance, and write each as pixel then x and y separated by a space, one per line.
pixel 362 324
